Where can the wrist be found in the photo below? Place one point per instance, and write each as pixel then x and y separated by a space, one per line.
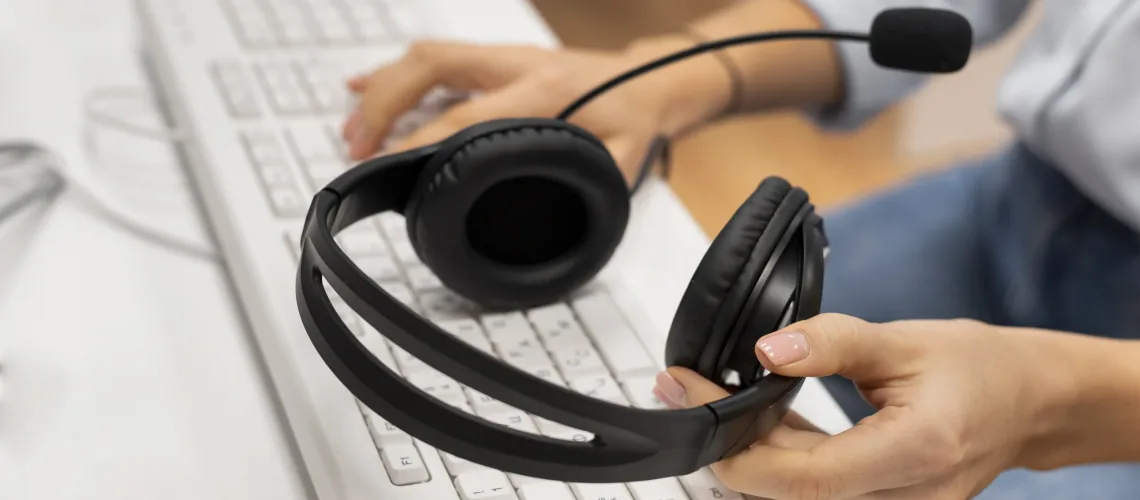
pixel 1090 396
pixel 685 93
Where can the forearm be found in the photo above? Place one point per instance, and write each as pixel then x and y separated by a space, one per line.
pixel 836 83
pixel 1092 407
pixel 800 73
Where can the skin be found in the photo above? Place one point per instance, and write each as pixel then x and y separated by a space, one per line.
pixel 513 81
pixel 958 401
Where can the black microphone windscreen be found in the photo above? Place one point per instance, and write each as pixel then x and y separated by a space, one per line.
pixel 920 39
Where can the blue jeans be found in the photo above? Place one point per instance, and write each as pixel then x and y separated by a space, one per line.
pixel 1007 241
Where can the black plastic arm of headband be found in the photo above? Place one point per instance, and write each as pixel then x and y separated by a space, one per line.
pixel 630 444
pixel 639 443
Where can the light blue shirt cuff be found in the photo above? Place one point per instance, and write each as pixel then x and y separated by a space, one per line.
pixel 868 87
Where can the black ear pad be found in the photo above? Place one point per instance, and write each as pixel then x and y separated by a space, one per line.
pixel 726 275
pixel 516 213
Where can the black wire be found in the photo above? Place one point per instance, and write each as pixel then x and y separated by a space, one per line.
pixel 702 48
pixel 660 144
pixel 659 147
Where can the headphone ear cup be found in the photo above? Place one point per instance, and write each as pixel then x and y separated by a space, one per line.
pixel 725 277
pixel 517 213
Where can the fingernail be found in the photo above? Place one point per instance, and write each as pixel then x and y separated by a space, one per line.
pixel 669 391
pixel 783 348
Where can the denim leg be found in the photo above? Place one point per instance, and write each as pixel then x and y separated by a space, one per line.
pixel 1062 263
pixel 1006 241
pixel 912 252
pixel 1116 481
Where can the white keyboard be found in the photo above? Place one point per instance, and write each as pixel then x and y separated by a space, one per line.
pixel 259 84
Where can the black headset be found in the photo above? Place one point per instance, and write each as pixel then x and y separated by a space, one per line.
pixel 516 213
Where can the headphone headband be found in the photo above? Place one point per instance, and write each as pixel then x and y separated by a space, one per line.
pixel 630 443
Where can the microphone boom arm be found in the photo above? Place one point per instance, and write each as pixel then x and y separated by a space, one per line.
pixel 707 47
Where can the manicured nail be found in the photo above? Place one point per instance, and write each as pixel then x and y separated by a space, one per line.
pixel 669 391
pixel 783 348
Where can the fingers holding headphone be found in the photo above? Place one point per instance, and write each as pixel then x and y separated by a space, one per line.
pixel 683 388
pixel 830 344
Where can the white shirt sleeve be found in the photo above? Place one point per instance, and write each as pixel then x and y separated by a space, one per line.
pixel 869 88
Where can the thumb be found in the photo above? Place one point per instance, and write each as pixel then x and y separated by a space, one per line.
pixel 830 344
pixel 683 388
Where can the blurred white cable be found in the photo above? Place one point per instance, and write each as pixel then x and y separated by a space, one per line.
pixel 88 192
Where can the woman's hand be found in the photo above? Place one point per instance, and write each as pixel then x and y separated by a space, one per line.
pixel 958 403
pixel 523 81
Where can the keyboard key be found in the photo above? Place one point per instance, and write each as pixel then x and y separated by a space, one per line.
pixel 437 385
pixel 264 149
pixel 325 81
pixel 508 329
pixel 556 430
pixel 357 242
pixel 658 489
pixel 461 405
pixel 409 365
pixel 578 362
pixel 639 390
pixel 384 434
pixel 287 202
pixel 318 156
pixel 393 226
pixel 311 144
pixel 292 22
pixel 484 485
pixel 601 387
pixel 615 339
pixel 557 327
pixel 527 356
pixel 237 91
pixel 404 464
pixel 513 418
pixel 703 485
pixel 600 491
pixel 331 25
pixel 284 88
pixel 456 466
pixel 545 490
pixel 520 481
pixel 250 25
pixel 421 278
pixel 267 156
pixel 468 331
pixel 406 19
pixel 485 405
pixel 547 373
pixel 444 304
